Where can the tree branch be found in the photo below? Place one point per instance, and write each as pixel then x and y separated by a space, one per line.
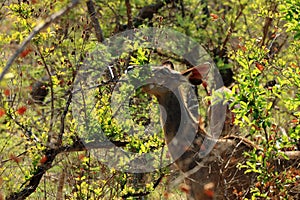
pixel 96 25
pixel 129 15
pixel 50 155
pixel 230 30
pixel 35 31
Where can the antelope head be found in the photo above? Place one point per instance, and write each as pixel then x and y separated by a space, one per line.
pixel 186 143
pixel 165 75
pixel 178 105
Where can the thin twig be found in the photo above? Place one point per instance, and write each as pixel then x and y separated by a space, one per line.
pixel 62 119
pixel 144 193
pixel 51 90
pixel 231 28
pixel 60 187
pixel 32 183
pixel 35 31
pixel 27 132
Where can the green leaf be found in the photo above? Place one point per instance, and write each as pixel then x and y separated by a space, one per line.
pixel 9 76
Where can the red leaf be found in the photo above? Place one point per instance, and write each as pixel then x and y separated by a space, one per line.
pixel 243 48
pixel 25 53
pixel 21 110
pixel 43 159
pixel 209 193
pixel 259 66
pixel 81 156
pixel 214 16
pixel 2 112
pixel 7 92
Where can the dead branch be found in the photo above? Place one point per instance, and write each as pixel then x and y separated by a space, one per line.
pixel 129 15
pixel 51 154
pixel 95 22
pixel 60 187
pixel 35 31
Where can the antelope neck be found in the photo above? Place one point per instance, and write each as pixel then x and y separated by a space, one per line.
pixel 177 120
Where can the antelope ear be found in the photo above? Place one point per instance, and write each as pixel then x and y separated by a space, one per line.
pixel 202 69
pixel 197 74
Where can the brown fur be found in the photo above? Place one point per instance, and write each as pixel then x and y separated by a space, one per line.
pixel 214 176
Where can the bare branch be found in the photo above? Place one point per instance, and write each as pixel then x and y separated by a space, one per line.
pixel 51 90
pixel 60 187
pixel 129 15
pixel 96 25
pixel 62 119
pixel 50 155
pixel 230 30
pixel 35 31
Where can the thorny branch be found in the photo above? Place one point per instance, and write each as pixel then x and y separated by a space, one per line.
pixel 50 153
pixel 35 31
